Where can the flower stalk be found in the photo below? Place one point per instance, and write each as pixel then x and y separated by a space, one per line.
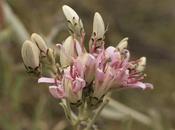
pixel 92 121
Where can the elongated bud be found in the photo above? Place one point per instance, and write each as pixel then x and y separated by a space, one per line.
pixel 75 24
pixel 66 52
pixel 98 27
pixel 141 64
pixel 38 40
pixel 70 14
pixel 30 54
pixel 122 44
pixel 70 48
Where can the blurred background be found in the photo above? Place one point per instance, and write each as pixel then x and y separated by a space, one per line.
pixel 150 26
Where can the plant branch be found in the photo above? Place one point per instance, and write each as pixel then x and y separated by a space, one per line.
pixel 14 22
pixel 119 107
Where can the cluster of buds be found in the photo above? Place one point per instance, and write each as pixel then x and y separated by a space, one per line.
pixel 34 51
pixel 31 52
pixel 85 76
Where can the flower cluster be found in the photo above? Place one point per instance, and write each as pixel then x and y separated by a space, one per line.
pixel 83 75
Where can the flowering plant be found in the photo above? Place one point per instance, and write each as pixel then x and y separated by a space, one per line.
pixel 84 78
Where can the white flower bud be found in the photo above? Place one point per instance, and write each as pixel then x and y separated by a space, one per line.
pixel 30 54
pixel 38 40
pixel 122 44
pixel 98 27
pixel 70 48
pixel 66 51
pixel 70 14
pixel 141 64
pixel 74 22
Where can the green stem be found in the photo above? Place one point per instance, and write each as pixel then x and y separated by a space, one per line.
pixel 72 115
pixel 81 115
pixel 97 114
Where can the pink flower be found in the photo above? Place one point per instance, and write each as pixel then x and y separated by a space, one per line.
pixel 114 70
pixel 104 78
pixel 74 82
pixel 88 63
pixel 106 69
pixel 70 86
pixel 56 88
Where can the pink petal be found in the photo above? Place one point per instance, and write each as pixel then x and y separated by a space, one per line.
pixel 68 76
pixel 149 85
pixel 91 60
pixel 46 80
pixel 57 91
pixel 79 68
pixel 138 85
pixel 110 50
pixel 113 54
pixel 101 59
pixel 79 83
pixel 100 74
pixel 122 76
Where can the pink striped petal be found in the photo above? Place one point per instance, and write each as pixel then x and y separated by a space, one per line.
pixel 100 74
pixel 79 83
pixel 57 91
pixel 46 80
pixel 110 50
pixel 138 85
pixel 90 60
